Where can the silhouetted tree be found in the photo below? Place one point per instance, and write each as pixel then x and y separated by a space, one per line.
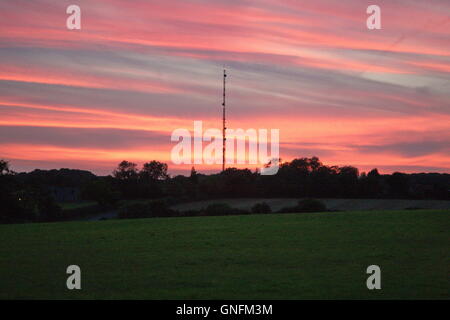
pixel 47 208
pixel 348 180
pixel 4 168
pixel 193 176
pixel 398 185
pixel 154 170
pixel 261 207
pixel 127 175
pixel 126 171
pixel 237 182
pixel 323 182
pixel 12 209
pixel 371 184
pixel 102 191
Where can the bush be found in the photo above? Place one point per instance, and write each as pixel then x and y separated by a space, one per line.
pixel 150 209
pixel 190 213
pixel 49 210
pixel 306 205
pixel 133 211
pixel 102 191
pixel 159 208
pixel 237 211
pixel 218 209
pixel 70 214
pixel 261 207
pixel 288 210
pixel 222 209
pixel 13 211
pixel 311 205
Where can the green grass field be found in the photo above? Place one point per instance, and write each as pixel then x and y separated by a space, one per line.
pixel 284 256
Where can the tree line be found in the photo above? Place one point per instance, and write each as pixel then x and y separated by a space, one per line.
pixel 30 196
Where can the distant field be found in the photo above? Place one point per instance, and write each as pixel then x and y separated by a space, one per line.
pixel 284 256
pixel 332 204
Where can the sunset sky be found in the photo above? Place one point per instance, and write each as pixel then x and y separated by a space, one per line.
pixel 137 70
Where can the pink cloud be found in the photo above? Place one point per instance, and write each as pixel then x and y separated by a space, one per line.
pixel 311 69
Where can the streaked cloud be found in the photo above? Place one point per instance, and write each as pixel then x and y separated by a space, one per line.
pixel 138 70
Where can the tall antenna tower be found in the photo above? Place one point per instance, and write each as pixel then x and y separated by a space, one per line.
pixel 224 122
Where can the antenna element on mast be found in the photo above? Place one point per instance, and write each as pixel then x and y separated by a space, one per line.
pixel 224 123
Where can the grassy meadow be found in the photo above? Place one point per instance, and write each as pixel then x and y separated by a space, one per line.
pixel 273 256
